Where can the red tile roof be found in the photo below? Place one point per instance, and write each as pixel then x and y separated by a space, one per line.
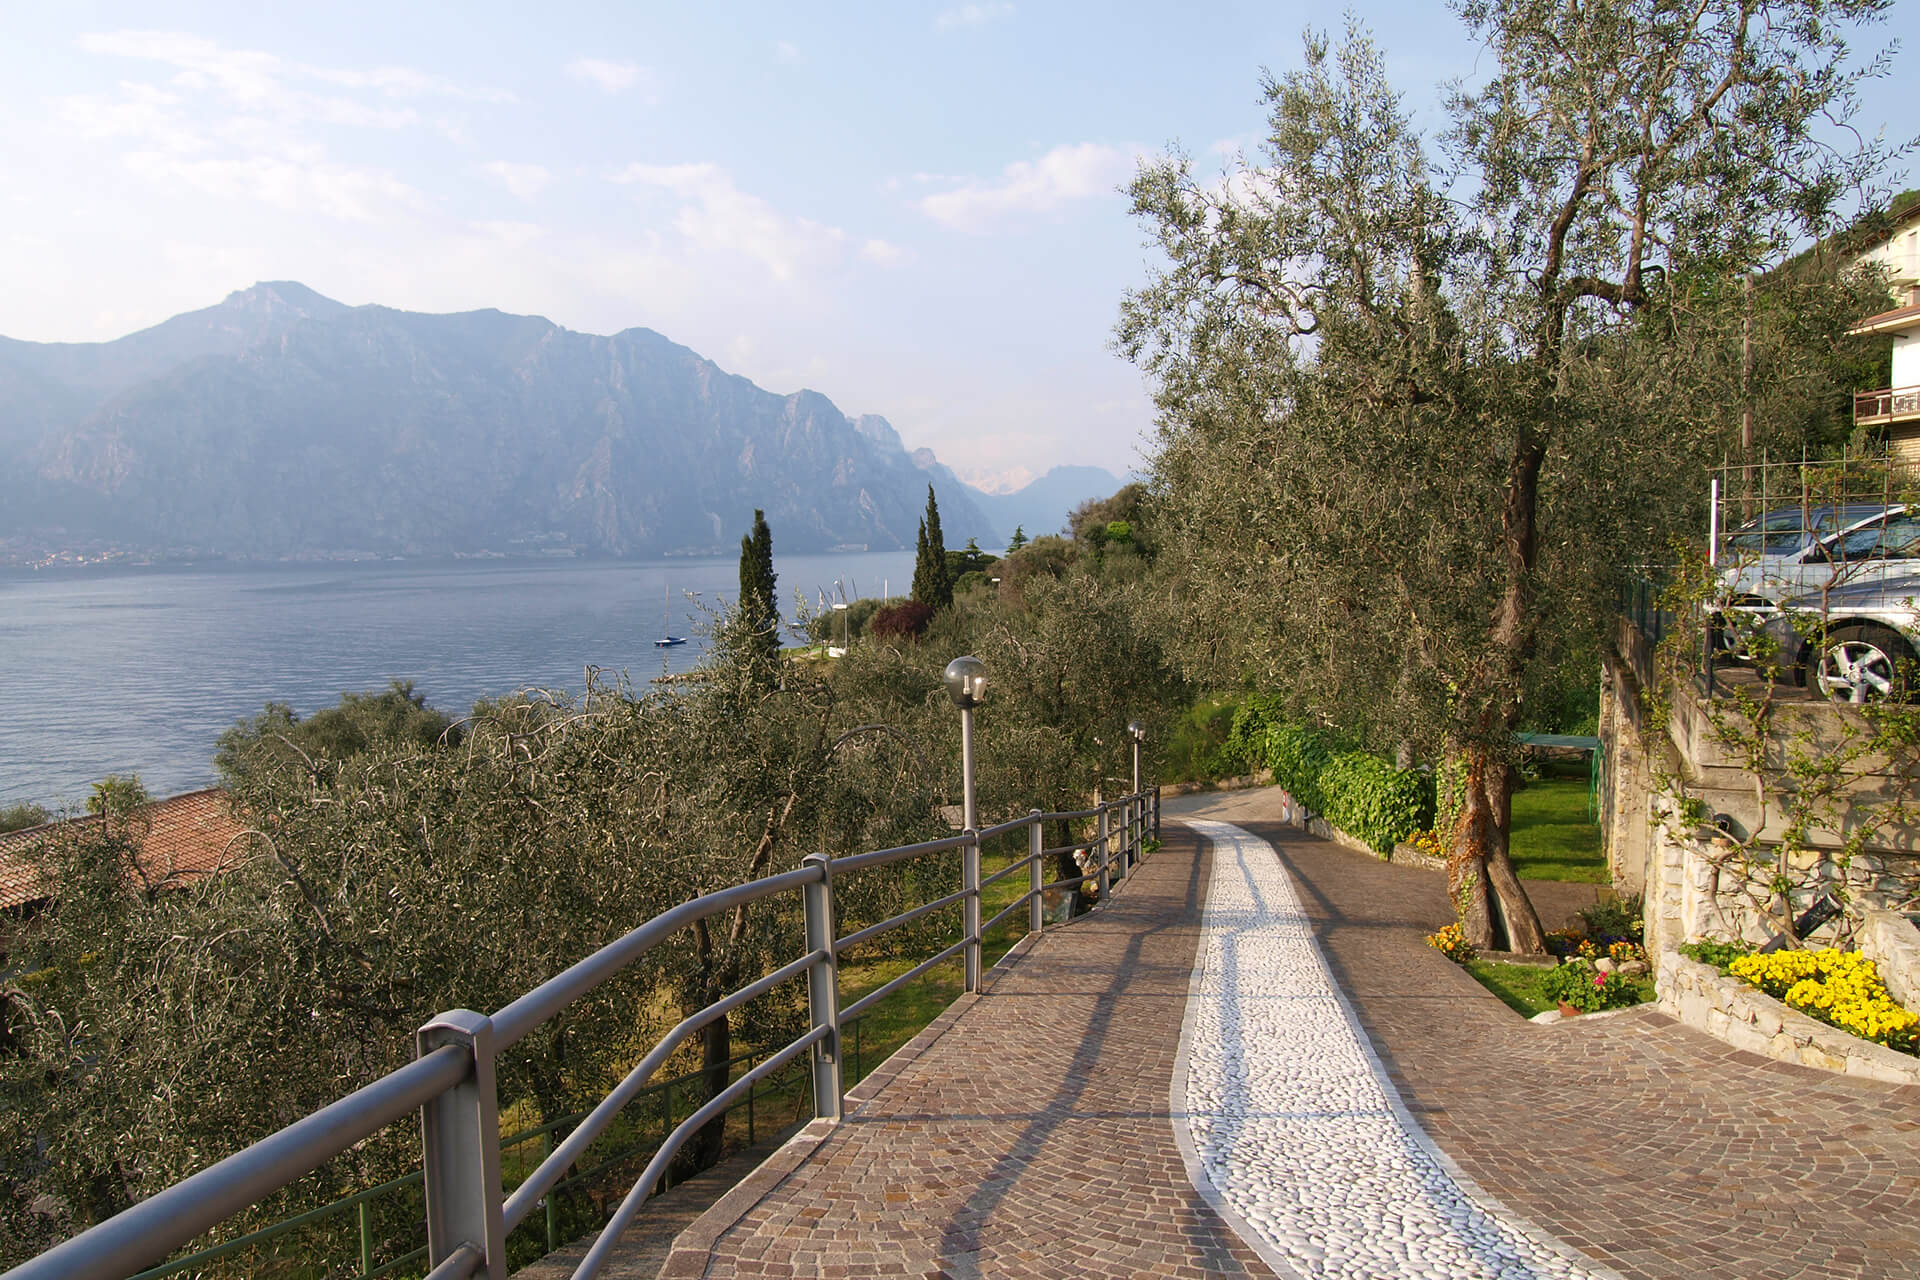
pixel 1887 321
pixel 187 836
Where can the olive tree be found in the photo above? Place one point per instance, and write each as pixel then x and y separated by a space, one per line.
pixel 1419 407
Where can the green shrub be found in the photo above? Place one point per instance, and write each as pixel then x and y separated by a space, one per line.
pixel 1717 954
pixel 826 627
pixel 1578 983
pixel 1357 791
pixel 1196 747
pixel 1297 755
pixel 1618 917
pixel 1246 746
pixel 1370 799
pixel 18 817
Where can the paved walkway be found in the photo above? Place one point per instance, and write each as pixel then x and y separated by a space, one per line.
pixel 1034 1130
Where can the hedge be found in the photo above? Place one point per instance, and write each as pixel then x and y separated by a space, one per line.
pixel 1356 791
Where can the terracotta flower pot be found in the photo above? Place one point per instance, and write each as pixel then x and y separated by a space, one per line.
pixel 1568 1011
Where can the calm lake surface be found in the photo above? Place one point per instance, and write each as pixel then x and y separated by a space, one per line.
pixel 139 670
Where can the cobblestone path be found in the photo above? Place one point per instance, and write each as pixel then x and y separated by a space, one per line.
pixel 1292 1122
pixel 1029 1131
pixel 1027 1136
pixel 1649 1147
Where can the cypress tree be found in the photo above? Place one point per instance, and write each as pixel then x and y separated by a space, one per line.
pixel 932 584
pixel 757 607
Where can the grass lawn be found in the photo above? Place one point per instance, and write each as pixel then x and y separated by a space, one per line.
pixel 1519 985
pixel 1552 839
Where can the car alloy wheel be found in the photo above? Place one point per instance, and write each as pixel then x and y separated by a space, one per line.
pixel 1862 664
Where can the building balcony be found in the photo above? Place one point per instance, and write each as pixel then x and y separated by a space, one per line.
pixel 1887 405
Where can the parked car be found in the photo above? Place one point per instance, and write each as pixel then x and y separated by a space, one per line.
pixel 1787 531
pixel 1884 544
pixel 1856 643
pixel 1879 548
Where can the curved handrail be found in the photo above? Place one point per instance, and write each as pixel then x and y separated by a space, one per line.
pixel 556 993
pixel 170 1218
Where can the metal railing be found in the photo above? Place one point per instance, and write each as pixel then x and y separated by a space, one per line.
pixel 451 1084
pixel 362 1203
pixel 1886 405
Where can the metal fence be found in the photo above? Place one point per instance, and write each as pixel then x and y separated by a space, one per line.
pixel 451 1085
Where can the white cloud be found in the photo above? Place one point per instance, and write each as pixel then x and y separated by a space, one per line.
pixel 524 180
pixel 788 52
pixel 334 190
pixel 406 82
pixel 612 77
pixel 245 124
pixel 880 253
pixel 718 216
pixel 1066 173
pixel 971 15
pixel 255 77
pixel 514 235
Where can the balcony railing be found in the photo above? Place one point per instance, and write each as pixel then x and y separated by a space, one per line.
pixel 450 1085
pixel 1889 404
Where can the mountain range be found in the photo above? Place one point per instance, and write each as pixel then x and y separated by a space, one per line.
pixel 283 424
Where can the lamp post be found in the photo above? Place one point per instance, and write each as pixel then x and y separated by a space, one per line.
pixel 967 686
pixel 1137 730
pixel 840 607
pixel 1136 807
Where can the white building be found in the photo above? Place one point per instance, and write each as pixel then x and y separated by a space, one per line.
pixel 1896 406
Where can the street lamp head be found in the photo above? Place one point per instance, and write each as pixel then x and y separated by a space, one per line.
pixel 967 682
pixel 1138 728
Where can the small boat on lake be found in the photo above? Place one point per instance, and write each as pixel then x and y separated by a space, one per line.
pixel 666 616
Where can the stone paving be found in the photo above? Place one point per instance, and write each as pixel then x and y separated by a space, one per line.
pixel 1292 1121
pixel 1027 1136
pixel 1649 1147
pixel 1029 1132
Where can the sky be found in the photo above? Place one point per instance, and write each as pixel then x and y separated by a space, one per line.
pixel 915 209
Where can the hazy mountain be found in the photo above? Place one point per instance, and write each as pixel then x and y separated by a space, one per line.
pixel 1042 507
pixel 282 423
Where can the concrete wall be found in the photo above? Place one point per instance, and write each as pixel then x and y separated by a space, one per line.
pixel 1694 883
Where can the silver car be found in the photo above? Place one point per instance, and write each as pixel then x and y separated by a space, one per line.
pixel 1882 545
pixel 1787 531
pixel 1855 643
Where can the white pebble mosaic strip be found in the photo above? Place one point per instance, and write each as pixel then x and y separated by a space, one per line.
pixel 1291 1128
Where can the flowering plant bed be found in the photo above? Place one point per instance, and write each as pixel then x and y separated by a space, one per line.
pixel 1840 988
pixel 1452 943
pixel 1524 987
pixel 1579 984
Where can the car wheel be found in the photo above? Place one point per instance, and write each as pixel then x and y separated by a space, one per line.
pixel 1732 630
pixel 1863 664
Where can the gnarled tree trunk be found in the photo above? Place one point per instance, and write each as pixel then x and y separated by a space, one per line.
pixel 1479 860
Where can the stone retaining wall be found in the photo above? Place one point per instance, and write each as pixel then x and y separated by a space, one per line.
pixel 1748 1018
pixel 1889 940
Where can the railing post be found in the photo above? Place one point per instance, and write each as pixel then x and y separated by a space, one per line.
pixel 460 1148
pixel 1036 878
pixel 1106 881
pixel 970 905
pixel 823 991
pixel 1134 827
pixel 548 1208
pixel 1156 811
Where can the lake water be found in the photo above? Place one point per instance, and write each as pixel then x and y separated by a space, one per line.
pixel 139 670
